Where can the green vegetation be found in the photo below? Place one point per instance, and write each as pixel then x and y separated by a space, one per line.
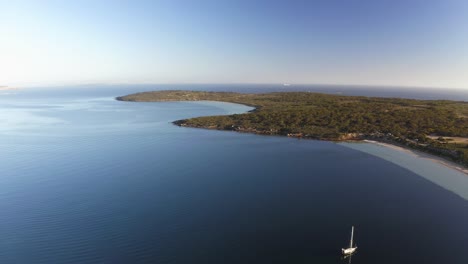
pixel 333 117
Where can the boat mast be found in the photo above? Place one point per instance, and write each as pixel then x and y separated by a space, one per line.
pixel 352 233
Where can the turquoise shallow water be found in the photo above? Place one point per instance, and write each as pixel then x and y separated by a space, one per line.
pixel 87 179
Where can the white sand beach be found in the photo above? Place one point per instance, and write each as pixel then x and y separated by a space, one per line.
pixel 449 175
pixel 423 155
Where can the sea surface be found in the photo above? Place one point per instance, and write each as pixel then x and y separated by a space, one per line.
pixel 88 179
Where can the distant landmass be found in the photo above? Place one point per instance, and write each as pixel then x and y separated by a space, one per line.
pixel 4 87
pixel 438 127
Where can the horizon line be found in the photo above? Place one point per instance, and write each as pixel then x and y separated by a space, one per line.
pixel 289 84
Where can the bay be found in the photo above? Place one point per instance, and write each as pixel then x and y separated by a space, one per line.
pixel 87 179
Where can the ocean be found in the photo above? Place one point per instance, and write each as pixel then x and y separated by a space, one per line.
pixel 88 179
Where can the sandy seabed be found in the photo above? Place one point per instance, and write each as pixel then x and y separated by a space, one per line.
pixel 423 155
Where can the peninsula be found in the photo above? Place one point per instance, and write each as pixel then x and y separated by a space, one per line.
pixel 433 126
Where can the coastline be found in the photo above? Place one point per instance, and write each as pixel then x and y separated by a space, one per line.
pixel 267 107
pixel 422 155
pixel 445 174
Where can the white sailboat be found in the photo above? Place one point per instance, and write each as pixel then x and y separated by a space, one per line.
pixel 350 250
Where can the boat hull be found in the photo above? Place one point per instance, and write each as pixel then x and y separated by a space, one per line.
pixel 348 251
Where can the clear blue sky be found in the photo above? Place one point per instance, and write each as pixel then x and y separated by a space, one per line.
pixel 394 42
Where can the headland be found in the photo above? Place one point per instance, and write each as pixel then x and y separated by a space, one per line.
pixel 424 125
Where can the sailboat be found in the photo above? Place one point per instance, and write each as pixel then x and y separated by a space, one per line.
pixel 350 250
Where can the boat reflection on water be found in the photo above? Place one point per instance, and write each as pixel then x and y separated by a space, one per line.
pixel 348 257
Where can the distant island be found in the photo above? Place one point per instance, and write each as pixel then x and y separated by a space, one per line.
pixel 439 127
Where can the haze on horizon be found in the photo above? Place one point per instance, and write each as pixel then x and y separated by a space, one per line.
pixel 369 42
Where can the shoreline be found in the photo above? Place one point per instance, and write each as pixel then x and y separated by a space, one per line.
pixel 246 124
pixel 420 155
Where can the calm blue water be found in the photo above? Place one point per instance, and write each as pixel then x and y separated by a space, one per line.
pixel 87 179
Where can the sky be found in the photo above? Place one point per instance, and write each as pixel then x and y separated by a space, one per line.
pixel 421 43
